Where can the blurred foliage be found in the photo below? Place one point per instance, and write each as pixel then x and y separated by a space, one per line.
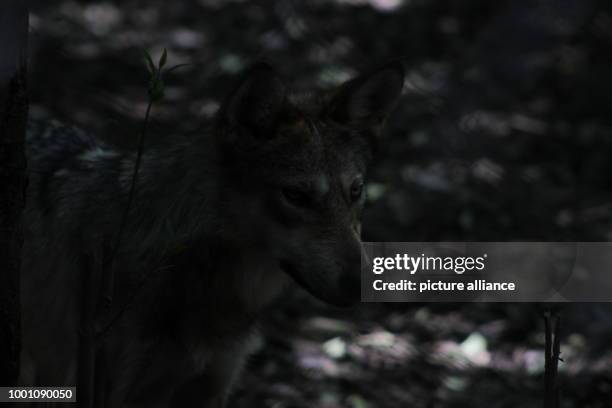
pixel 503 133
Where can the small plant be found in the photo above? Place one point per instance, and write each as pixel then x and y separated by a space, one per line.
pixel 156 83
pixel 156 91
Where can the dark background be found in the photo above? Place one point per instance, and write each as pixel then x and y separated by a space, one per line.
pixel 503 133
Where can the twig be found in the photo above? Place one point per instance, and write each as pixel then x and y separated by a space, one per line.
pixel 552 324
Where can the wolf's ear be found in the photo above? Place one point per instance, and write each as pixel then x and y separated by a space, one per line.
pixel 367 99
pixel 256 102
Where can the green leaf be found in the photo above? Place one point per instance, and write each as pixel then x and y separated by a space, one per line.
pixel 357 401
pixel 163 59
pixel 156 88
pixel 149 61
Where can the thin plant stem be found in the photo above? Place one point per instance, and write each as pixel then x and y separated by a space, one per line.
pixel 108 290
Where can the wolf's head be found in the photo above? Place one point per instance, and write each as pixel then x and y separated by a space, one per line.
pixel 297 171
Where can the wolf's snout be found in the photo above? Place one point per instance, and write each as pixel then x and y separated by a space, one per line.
pixel 333 274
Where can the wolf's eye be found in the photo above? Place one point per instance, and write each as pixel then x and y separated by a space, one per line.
pixel 295 196
pixel 356 189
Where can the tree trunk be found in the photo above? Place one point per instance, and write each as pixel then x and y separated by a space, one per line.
pixel 13 117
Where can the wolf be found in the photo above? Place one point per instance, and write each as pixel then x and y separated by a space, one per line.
pixel 271 194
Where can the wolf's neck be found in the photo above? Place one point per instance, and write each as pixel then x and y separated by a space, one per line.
pixel 175 194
